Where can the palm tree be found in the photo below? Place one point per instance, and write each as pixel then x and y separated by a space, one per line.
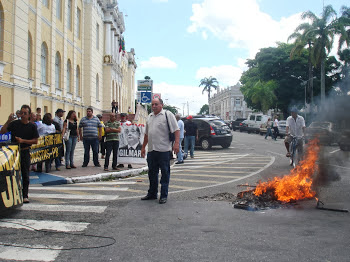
pixel 344 27
pixel 302 40
pixel 208 84
pixel 322 30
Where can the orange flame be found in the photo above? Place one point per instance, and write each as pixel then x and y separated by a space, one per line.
pixel 297 184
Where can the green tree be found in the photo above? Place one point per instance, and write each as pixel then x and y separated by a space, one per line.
pixel 322 30
pixel 208 84
pixel 147 78
pixel 204 110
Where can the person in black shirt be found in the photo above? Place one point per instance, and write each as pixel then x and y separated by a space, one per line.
pixel 72 124
pixel 26 134
pixel 191 135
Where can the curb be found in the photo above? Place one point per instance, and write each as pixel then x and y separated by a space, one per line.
pixel 106 175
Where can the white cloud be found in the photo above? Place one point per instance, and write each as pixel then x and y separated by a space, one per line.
pixel 227 75
pixel 179 95
pixel 242 24
pixel 158 62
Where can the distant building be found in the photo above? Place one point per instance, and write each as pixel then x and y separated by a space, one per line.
pixel 229 103
pixel 67 54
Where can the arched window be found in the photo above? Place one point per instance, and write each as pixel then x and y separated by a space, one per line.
pixel 2 19
pixel 77 81
pixel 44 63
pixel 58 70
pixel 69 72
pixel 58 9
pixel 29 56
pixel 97 88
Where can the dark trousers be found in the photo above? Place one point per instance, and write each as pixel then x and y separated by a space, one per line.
pixel 93 143
pixel 25 166
pixel 275 132
pixel 103 145
pixel 156 160
pixel 111 146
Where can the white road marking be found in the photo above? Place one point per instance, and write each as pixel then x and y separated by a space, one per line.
pixel 70 196
pixel 25 254
pixel 34 177
pixel 80 188
pixel 29 224
pixel 64 208
pixel 334 151
pixel 108 183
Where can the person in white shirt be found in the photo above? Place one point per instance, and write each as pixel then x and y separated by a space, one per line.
pixel 295 126
pixel 180 159
pixel 275 128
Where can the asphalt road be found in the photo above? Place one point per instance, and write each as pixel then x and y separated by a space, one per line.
pixel 87 217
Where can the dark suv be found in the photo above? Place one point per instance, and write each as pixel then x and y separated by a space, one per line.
pixel 236 123
pixel 211 132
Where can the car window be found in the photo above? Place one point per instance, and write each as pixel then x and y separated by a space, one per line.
pixel 258 118
pixel 217 123
pixel 252 117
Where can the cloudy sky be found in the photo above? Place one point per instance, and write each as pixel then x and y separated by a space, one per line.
pixel 179 42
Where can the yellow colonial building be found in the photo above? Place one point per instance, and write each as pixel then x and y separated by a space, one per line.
pixel 64 54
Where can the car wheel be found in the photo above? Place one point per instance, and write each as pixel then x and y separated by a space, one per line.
pixel 234 129
pixel 249 132
pixel 205 144
pixel 241 130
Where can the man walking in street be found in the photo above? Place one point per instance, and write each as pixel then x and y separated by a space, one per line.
pixel 26 134
pixel 112 130
pixel 191 135
pixel 124 121
pixel 90 125
pixel 180 123
pixel 295 126
pixel 159 149
pixel 275 128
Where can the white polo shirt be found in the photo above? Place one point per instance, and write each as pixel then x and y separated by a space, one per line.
pixel 295 126
pixel 158 132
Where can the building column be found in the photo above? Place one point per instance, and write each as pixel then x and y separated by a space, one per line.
pixel 108 39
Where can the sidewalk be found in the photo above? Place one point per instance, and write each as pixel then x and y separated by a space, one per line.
pixel 83 174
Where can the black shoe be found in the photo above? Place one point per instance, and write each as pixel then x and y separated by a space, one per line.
pixel 120 165
pixel 84 165
pixel 179 162
pixel 98 165
pixel 162 201
pixel 148 197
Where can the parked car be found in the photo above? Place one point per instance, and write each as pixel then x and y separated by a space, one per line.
pixel 281 128
pixel 325 131
pixel 243 126
pixel 254 122
pixel 228 123
pixel 211 132
pixel 235 125
pixel 344 140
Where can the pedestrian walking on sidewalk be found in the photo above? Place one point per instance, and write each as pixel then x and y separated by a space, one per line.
pixel 112 129
pixel 26 134
pixel 275 128
pixel 71 123
pixel 157 137
pixel 191 135
pixel 180 123
pixel 88 131
pixel 268 128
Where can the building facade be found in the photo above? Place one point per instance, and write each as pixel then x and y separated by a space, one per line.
pixel 229 103
pixel 64 54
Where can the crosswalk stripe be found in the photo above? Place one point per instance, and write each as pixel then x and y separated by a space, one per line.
pixel 16 253
pixel 188 180
pixel 213 171
pixel 171 186
pixel 64 208
pixel 202 175
pixel 70 196
pixel 110 183
pixel 80 188
pixel 28 224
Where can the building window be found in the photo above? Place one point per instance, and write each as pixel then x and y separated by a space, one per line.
pixel 77 81
pixel 69 72
pixel 58 71
pixel 78 22
pixel 69 15
pixel 238 102
pixel 97 36
pixel 97 88
pixel 29 58
pixel 46 3
pixel 59 9
pixel 44 63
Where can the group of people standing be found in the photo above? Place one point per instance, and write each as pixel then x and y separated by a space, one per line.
pixel 272 125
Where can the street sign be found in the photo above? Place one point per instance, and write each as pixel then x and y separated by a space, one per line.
pixel 156 95
pixel 144 97
pixel 145 85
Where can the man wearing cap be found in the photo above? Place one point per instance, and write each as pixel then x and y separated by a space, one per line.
pixel 90 136
pixel 58 118
pixel 124 121
pixel 191 135
pixel 159 124
pixel 295 126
